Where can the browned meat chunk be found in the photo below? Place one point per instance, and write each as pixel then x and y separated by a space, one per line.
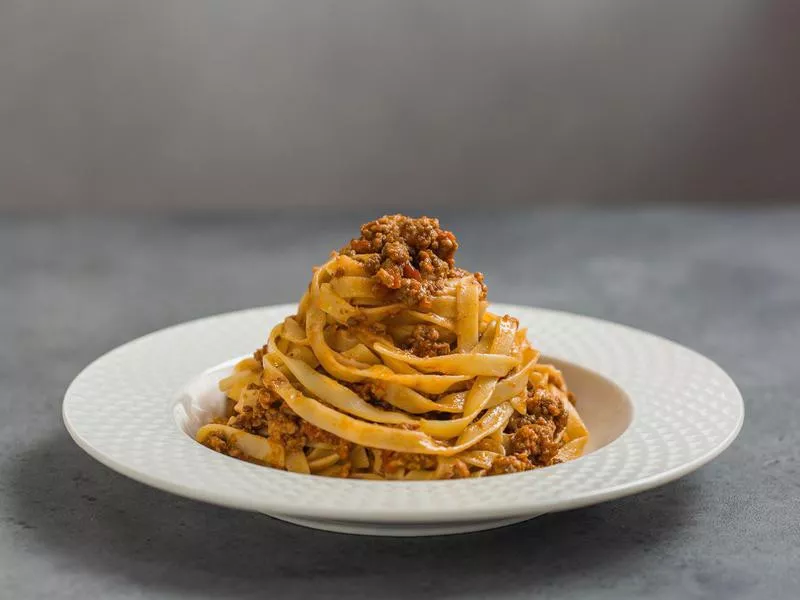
pixel 424 342
pixel 413 256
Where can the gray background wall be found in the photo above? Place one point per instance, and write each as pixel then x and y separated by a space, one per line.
pixel 265 103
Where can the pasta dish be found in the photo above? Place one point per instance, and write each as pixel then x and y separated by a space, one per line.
pixel 394 368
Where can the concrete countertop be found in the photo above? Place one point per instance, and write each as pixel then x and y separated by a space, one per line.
pixel 726 283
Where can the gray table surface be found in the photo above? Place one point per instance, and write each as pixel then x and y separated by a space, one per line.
pixel 726 283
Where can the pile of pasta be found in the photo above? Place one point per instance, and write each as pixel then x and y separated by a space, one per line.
pixel 449 409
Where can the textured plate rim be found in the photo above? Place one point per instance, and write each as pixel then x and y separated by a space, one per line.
pixel 273 503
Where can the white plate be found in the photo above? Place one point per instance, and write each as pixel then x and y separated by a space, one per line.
pixel 655 411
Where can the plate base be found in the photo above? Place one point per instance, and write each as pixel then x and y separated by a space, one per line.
pixel 401 529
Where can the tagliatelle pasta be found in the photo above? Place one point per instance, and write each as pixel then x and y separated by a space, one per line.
pixel 393 368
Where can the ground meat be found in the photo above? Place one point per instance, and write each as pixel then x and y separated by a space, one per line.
pixel 220 444
pixel 541 403
pixel 510 464
pixel 395 461
pixel 479 278
pixel 372 392
pixel 372 264
pixel 536 441
pixel 259 354
pixel 536 436
pixel 271 417
pixel 285 427
pixel 250 420
pixel 312 433
pixel 255 418
pixel 424 342
pixel 457 470
pixel 397 252
pixel 412 256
